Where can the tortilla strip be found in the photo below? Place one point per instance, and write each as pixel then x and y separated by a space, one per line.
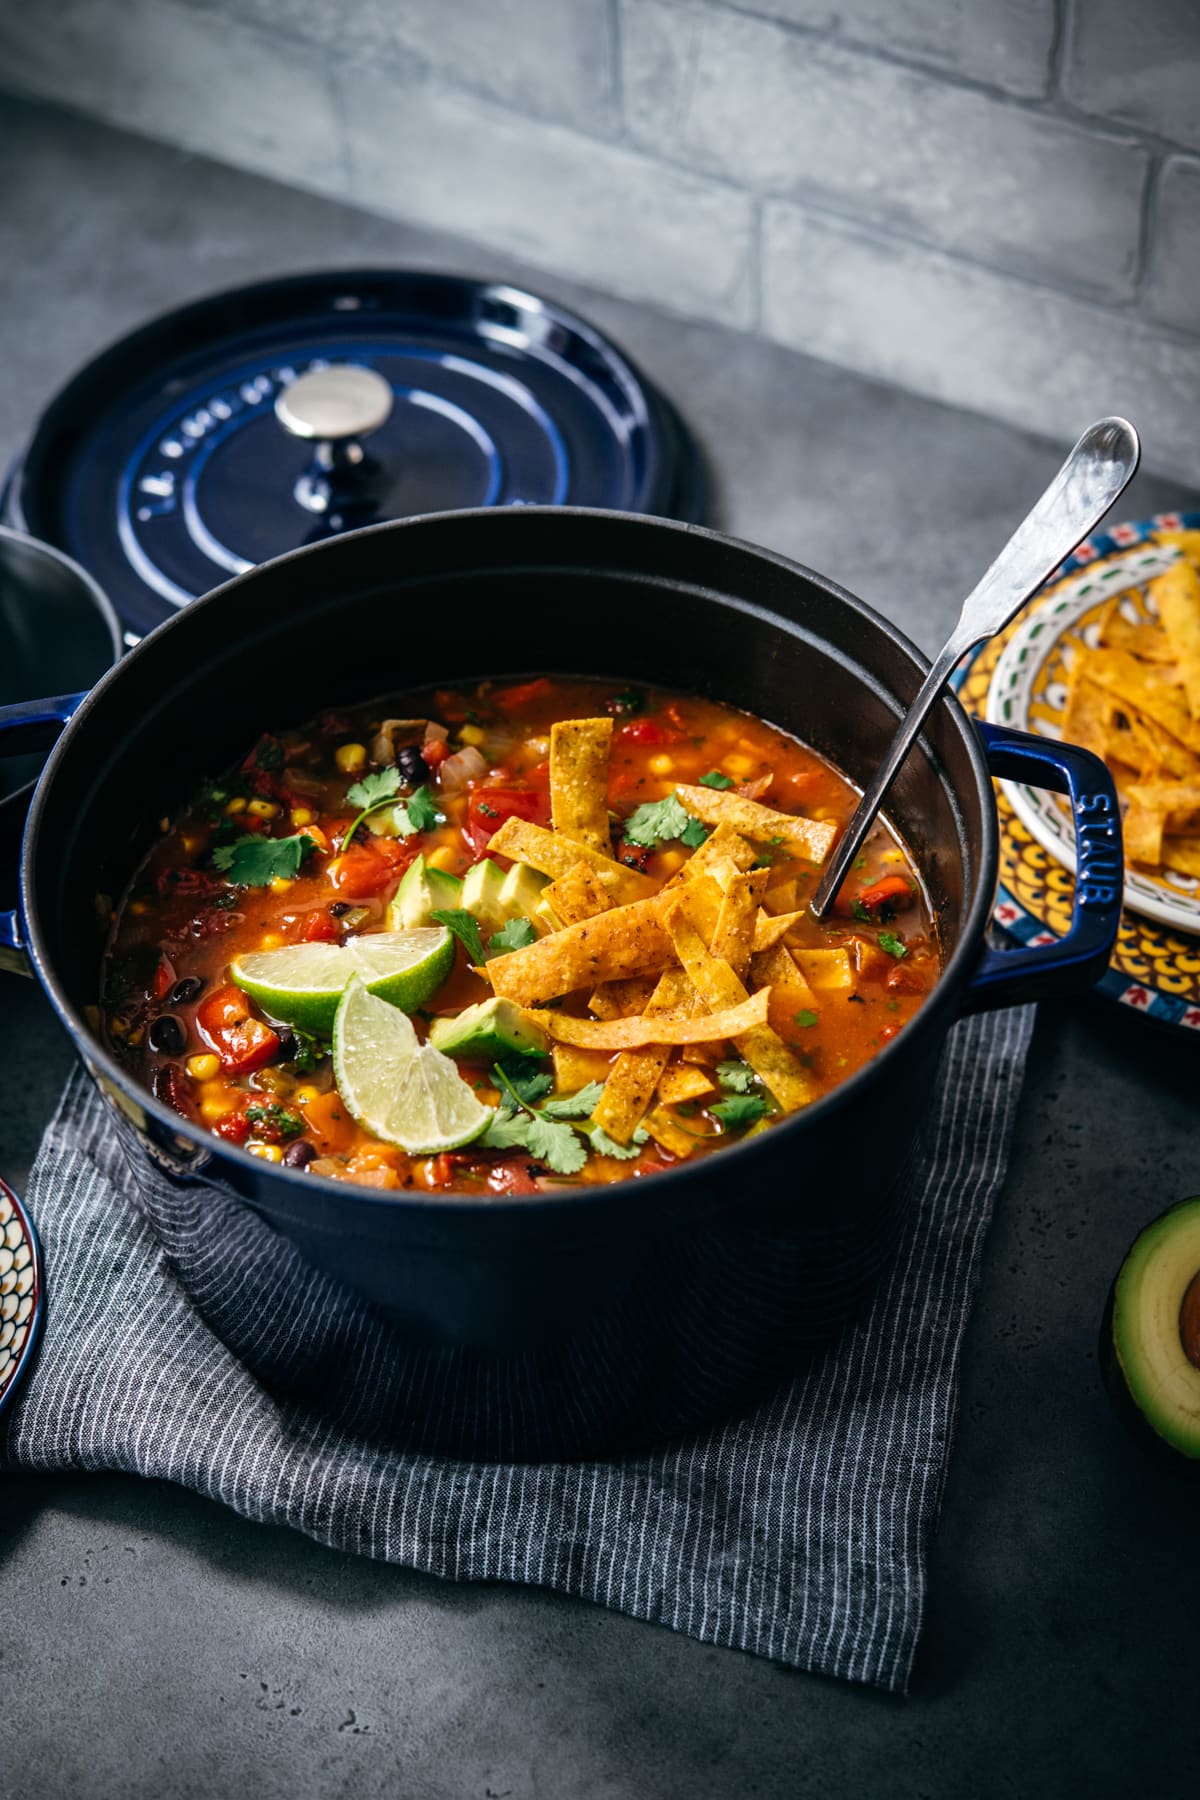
pixel 684 1081
pixel 1149 688
pixel 1145 640
pixel 1187 542
pixel 1142 830
pixel 733 938
pixel 1177 594
pixel 1177 801
pixel 781 896
pixel 1182 854
pixel 579 894
pixel 655 1028
pixel 629 940
pixel 664 1130
pixel 555 856
pixel 777 969
pixel 579 751
pixel 574 1068
pixel 769 931
pixel 825 968
pixel 1090 710
pixel 776 1066
pixel 1159 749
pixel 721 856
pixel 635 1075
pixel 812 838
pixel 621 999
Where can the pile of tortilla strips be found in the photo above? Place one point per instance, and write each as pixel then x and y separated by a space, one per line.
pixel 1135 700
pixel 666 974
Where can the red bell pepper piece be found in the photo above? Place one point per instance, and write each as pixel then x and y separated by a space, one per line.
pixel 227 1026
pixel 491 806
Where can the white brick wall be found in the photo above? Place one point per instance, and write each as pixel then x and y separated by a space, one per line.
pixel 993 201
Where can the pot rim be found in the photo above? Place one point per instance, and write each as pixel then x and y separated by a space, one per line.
pixel 578 1201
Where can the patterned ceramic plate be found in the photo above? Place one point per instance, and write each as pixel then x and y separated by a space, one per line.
pixel 1154 970
pixel 1029 691
pixel 22 1292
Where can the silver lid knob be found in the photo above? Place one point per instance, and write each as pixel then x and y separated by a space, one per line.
pixel 333 404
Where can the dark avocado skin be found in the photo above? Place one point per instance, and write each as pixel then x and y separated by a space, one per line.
pixel 1153 1444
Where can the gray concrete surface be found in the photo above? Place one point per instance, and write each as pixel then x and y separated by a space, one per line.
pixel 154 1645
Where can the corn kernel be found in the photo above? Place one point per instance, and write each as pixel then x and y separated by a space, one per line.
pixel 204 1066
pixel 473 734
pixel 318 837
pixel 737 764
pixel 350 758
pixel 304 1096
pixel 270 940
pixel 190 844
pixel 302 815
pixel 280 884
pixel 214 1109
pixel 138 907
pixel 441 858
pixel 539 747
pixel 268 1152
pixel 263 809
pixel 662 764
pixel 236 805
pixel 670 860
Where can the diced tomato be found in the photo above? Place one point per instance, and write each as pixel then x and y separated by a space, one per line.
pixel 511 1176
pixel 892 891
pixel 434 752
pixel 228 1026
pixel 164 978
pixel 907 979
pixel 364 870
pixel 513 699
pixel 491 806
pixel 648 731
pixel 235 1127
pixel 319 928
pixel 191 882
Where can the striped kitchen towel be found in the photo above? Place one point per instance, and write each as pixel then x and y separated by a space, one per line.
pixel 798 1532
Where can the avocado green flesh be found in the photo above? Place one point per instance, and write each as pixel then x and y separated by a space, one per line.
pixel 1149 1293
pixel 421 892
pixel 494 1027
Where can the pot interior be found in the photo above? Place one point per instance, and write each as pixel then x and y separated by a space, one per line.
pixel 465 596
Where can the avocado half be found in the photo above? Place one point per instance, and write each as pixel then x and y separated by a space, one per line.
pixel 1150 1338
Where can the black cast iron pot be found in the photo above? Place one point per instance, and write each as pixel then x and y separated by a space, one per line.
pixel 574 1322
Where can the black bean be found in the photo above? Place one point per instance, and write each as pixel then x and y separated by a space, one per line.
pixel 187 990
pixel 299 1154
pixel 166 1036
pixel 339 909
pixel 412 765
pixel 288 1047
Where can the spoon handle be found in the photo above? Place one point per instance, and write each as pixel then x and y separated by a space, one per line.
pixel 1096 472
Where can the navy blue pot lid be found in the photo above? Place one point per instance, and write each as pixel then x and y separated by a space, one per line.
pixel 164 467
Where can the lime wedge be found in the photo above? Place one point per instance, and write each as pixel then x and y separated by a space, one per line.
pixel 406 1092
pixel 302 983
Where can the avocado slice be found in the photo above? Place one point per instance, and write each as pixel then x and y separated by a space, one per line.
pixel 494 1027
pixel 521 891
pixel 421 893
pixel 481 893
pixel 1150 1338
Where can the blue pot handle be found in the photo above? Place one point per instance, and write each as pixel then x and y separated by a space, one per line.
pixel 29 726
pixel 1071 964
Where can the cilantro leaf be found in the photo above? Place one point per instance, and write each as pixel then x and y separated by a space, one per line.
pixel 465 928
pixel 252 861
pixel 307 1052
pixel 739 1111
pixel 275 1117
pixel 859 911
pixel 660 822
pixel 715 779
pixel 603 1145
pixel 518 934
pixel 693 834
pixel 558 1146
pixel 527 1084
pixel 632 700
pixel 418 813
pixel 806 1016
pixel 736 1077
pixel 506 1131
pixel 575 1106
pixel 895 946
pixel 382 784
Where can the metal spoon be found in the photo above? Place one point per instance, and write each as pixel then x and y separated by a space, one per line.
pixel 1097 471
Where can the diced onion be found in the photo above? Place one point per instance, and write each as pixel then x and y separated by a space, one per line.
pixel 459 770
